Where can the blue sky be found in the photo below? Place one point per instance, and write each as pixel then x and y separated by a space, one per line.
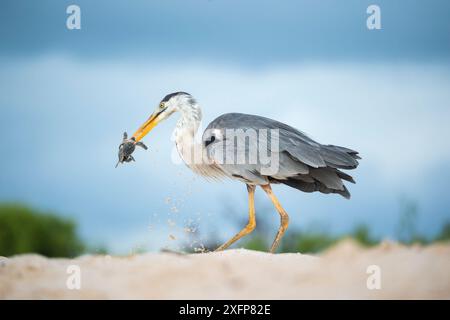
pixel 67 96
pixel 256 32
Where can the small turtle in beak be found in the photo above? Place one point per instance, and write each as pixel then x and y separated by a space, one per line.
pixel 126 148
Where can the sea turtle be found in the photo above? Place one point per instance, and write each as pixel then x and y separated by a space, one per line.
pixel 126 148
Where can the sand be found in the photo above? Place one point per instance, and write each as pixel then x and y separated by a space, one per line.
pixel 397 272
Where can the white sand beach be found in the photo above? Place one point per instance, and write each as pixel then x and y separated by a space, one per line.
pixel 339 273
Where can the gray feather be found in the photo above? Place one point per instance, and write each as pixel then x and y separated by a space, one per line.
pixel 304 164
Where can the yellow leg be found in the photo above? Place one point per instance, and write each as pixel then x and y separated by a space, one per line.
pixel 251 220
pixel 283 215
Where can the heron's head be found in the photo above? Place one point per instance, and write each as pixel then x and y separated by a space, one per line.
pixel 171 103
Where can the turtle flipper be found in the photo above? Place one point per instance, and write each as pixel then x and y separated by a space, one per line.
pixel 142 145
pixel 127 147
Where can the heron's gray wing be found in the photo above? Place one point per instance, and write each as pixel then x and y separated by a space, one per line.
pixel 308 151
pixel 303 163
pixel 292 141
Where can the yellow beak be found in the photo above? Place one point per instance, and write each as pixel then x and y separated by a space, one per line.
pixel 146 127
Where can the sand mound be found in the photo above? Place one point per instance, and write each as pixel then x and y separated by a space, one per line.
pixel 339 273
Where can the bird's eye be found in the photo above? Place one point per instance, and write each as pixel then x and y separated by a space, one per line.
pixel 211 140
pixel 161 105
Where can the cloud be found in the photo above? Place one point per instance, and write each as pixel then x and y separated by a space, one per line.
pixel 250 33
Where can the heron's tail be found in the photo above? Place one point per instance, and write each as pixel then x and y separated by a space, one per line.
pixel 339 157
pixel 315 186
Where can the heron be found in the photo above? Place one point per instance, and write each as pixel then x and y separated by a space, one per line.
pixel 302 163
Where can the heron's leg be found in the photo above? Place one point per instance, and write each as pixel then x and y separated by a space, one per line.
pixel 283 215
pixel 251 219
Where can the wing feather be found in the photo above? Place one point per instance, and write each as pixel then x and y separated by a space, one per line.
pixel 304 163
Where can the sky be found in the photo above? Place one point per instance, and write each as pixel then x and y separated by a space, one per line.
pixel 66 96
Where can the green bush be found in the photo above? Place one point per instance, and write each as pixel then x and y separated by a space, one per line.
pixel 311 241
pixel 444 235
pixel 25 230
pixel 361 234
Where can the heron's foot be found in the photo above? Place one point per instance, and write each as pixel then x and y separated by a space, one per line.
pixel 251 225
pixel 280 233
pixel 249 228
pixel 221 248
pixel 228 243
pixel 273 248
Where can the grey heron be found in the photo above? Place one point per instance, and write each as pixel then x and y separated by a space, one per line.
pixel 302 163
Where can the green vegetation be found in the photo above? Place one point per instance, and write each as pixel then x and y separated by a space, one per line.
pixel 25 230
pixel 444 235
pixel 316 240
pixel 309 241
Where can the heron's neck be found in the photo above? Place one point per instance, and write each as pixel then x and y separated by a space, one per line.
pixel 185 131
